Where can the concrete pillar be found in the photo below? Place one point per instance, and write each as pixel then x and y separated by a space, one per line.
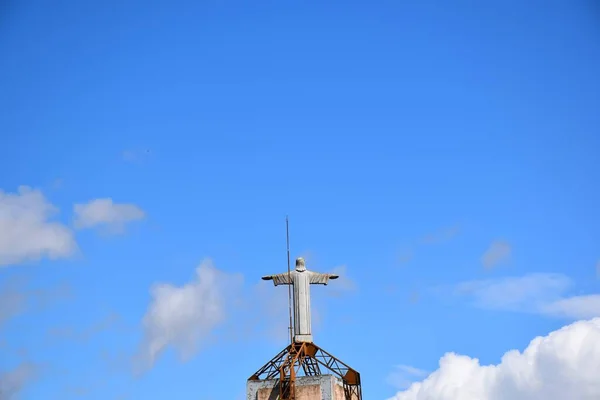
pixel 322 387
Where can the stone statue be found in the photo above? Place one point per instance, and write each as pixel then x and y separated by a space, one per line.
pixel 301 279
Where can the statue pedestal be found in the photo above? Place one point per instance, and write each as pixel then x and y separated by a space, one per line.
pixel 303 338
pixel 322 387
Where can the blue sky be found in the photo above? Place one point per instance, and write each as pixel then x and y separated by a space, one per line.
pixel 444 157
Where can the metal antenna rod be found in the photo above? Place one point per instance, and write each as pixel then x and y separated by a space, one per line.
pixel 287 235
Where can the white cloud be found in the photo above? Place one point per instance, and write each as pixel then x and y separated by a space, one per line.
pixel 26 230
pixel 12 382
pixel 183 317
pixel 498 252
pixel 534 293
pixel 562 365
pixel 404 375
pixel 577 307
pixel 104 212
pixel 524 293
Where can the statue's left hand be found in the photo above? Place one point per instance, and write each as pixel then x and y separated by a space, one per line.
pixel 333 276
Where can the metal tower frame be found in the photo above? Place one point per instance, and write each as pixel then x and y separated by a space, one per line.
pixel 307 358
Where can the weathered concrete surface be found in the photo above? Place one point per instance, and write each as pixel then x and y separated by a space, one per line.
pixel 323 387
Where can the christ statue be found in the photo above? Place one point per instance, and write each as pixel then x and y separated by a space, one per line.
pixel 301 279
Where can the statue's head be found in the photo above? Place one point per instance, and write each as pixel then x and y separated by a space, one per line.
pixel 300 265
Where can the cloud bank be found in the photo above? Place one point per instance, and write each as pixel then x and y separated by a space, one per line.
pixel 106 213
pixel 184 317
pixel 541 293
pixel 562 365
pixel 27 232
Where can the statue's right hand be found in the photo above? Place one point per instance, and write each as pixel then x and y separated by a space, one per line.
pixel 267 278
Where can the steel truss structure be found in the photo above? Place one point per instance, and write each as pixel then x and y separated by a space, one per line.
pixel 307 359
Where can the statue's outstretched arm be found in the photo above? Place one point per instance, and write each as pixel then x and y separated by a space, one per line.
pixel 317 278
pixel 279 279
